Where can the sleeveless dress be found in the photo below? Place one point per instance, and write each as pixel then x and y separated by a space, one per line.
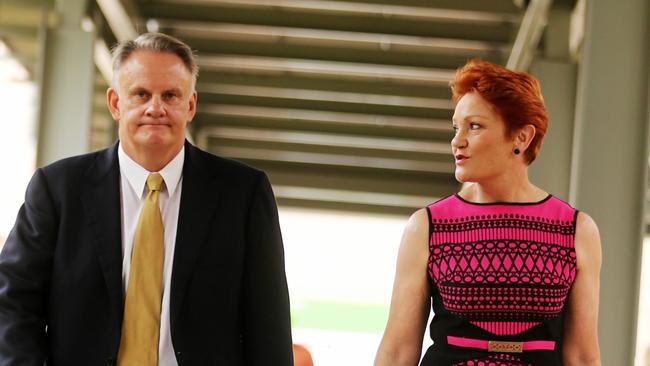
pixel 499 275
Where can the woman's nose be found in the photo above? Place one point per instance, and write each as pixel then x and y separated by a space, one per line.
pixel 459 140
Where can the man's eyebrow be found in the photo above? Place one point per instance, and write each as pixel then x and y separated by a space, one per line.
pixel 136 89
pixel 175 90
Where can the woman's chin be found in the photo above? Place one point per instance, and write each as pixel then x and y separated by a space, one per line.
pixel 462 176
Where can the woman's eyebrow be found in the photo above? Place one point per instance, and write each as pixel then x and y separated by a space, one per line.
pixel 453 119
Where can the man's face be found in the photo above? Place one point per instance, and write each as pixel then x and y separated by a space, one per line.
pixel 152 102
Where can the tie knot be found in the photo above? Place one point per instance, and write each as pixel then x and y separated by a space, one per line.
pixel 154 181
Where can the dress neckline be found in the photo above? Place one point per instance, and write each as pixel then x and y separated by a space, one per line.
pixel 507 203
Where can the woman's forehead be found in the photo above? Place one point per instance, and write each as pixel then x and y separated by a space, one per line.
pixel 473 105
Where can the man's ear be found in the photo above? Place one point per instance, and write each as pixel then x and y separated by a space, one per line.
pixel 192 106
pixel 193 100
pixel 113 99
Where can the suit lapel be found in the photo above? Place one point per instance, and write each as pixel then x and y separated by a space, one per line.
pixel 101 201
pixel 194 223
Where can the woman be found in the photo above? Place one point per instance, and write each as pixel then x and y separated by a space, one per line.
pixel 511 272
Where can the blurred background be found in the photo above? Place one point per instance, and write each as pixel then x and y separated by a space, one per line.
pixel 346 106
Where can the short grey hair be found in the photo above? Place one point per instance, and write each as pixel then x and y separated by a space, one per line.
pixel 155 42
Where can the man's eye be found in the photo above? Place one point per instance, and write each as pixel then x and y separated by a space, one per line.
pixel 170 96
pixel 141 94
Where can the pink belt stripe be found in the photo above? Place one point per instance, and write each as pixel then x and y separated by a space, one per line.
pixel 483 344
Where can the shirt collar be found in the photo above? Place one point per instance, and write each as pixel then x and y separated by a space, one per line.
pixel 136 175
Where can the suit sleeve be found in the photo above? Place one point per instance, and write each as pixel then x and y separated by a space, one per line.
pixel 25 268
pixel 266 332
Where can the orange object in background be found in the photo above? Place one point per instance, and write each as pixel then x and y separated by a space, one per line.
pixel 301 356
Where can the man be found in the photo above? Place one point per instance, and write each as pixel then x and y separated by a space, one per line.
pixel 151 252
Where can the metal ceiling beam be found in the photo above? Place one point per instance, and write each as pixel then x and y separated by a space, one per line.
pixel 10 66
pixel 18 31
pixel 118 19
pixel 360 162
pixel 25 47
pixel 103 60
pixel 122 27
pixel 327 139
pixel 530 32
pixel 364 9
pixel 329 69
pixel 21 15
pixel 336 118
pixel 348 196
pixel 330 38
pixel 325 96
pixel 46 3
pixel 577 29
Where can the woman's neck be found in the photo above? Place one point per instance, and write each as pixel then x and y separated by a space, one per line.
pixel 510 188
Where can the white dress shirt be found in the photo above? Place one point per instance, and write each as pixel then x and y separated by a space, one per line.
pixel 133 179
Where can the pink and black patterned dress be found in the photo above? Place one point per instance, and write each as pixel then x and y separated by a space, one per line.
pixel 500 274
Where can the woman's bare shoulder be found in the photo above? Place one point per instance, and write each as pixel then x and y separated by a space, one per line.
pixel 586 227
pixel 587 241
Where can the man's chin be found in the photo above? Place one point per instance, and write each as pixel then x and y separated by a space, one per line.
pixel 155 141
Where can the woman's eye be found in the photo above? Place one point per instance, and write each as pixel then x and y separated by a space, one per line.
pixel 474 126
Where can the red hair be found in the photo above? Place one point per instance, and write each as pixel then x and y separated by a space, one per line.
pixel 516 96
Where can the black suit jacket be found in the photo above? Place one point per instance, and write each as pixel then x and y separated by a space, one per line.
pixel 61 299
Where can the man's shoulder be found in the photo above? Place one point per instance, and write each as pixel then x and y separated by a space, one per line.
pixel 225 167
pixel 80 164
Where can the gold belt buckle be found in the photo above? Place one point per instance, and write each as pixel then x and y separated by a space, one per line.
pixel 506 347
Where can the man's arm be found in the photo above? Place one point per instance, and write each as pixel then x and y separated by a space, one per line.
pixel 25 268
pixel 266 320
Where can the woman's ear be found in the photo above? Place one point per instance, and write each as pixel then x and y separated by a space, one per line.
pixel 525 136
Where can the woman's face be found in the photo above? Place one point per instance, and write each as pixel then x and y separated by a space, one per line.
pixel 480 146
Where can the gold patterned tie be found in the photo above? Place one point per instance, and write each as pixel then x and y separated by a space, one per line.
pixel 141 325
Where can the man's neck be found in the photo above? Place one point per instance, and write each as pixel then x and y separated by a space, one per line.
pixel 152 159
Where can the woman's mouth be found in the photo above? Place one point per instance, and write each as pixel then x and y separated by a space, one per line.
pixel 460 158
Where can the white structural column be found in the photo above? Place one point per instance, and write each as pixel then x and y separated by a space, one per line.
pixel 552 169
pixel 66 84
pixel 557 75
pixel 610 158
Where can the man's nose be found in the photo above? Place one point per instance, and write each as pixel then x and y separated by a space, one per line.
pixel 156 108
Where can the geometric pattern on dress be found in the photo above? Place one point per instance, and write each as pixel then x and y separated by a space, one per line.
pixel 487 280
pixel 504 267
pixel 503 286
pixel 500 359
pixel 505 328
pixel 493 227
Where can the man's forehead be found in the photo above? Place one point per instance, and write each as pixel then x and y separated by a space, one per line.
pixel 145 67
pixel 152 61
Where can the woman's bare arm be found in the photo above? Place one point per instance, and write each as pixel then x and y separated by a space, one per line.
pixel 401 344
pixel 580 345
